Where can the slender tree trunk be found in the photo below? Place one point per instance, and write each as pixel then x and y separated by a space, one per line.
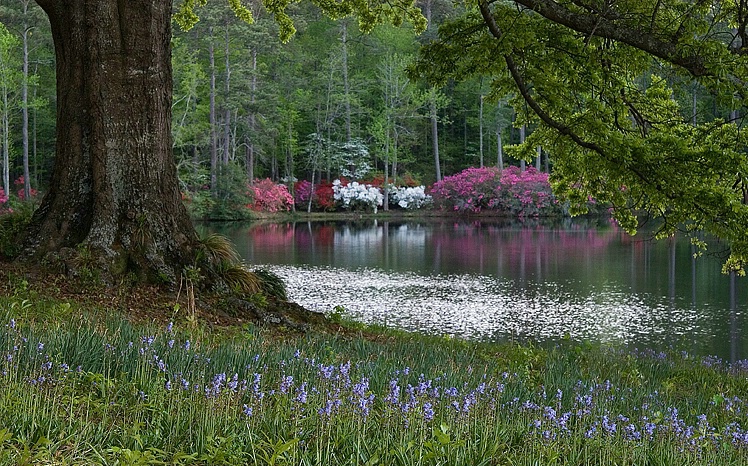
pixel 25 105
pixel 427 10
pixel 114 189
pixel 499 149
pixel 480 124
pixel 435 139
pixel 395 145
pixel 34 134
pixel 6 143
pixel 386 188
pixel 213 122
pixel 538 158
pixel 346 85
pixel 227 110
pixel 252 119
pixel 522 130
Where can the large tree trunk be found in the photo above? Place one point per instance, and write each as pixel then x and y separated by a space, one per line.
pixel 114 188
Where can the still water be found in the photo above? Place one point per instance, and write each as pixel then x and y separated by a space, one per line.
pixel 499 280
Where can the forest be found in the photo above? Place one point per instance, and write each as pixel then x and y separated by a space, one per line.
pixel 331 102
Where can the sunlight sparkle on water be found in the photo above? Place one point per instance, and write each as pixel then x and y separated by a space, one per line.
pixel 481 307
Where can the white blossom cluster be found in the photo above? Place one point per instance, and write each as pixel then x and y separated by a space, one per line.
pixel 409 197
pixel 357 196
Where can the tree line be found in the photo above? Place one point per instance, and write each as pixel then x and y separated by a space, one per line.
pixel 332 101
pixel 637 104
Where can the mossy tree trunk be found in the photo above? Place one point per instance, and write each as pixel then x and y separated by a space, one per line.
pixel 114 188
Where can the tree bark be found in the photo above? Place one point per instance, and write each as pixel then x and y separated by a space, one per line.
pixel 346 84
pixel 480 121
pixel 25 103
pixel 227 108
pixel 114 188
pixel 213 122
pixel 435 137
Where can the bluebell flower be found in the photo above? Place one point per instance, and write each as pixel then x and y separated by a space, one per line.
pixel 301 394
pixel 286 383
pixel 428 411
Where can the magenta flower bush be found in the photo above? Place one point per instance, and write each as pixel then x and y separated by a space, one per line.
pixel 267 196
pixel 4 202
pixel 525 194
pixel 471 190
pixel 510 192
pixel 302 191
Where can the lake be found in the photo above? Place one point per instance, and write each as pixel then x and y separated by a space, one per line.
pixel 496 279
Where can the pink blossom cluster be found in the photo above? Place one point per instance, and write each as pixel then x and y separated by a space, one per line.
pixel 509 191
pixel 19 185
pixel 267 196
pixel 4 209
pixel 471 190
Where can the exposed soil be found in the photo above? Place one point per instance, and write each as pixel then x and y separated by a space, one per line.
pixel 161 304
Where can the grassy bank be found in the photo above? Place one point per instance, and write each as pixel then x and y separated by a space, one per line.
pixel 102 390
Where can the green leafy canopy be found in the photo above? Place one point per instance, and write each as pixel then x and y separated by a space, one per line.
pixel 369 13
pixel 598 81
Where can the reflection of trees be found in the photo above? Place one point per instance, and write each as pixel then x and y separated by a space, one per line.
pixel 494 248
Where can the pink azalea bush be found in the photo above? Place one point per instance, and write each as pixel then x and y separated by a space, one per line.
pixel 19 185
pixel 267 196
pixel 525 194
pixel 4 208
pixel 510 192
pixel 471 190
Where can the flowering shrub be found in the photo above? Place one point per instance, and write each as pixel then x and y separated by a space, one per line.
pixel 511 191
pixel 322 197
pixel 19 185
pixel 525 194
pixel 357 196
pixel 302 191
pixel 409 197
pixel 471 190
pixel 4 208
pixel 267 196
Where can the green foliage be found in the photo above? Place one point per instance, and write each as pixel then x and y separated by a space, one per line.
pixel 369 14
pixel 12 226
pixel 613 128
pixel 217 249
pixel 271 284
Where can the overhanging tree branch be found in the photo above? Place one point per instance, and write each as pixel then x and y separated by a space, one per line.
pixel 567 131
pixel 602 25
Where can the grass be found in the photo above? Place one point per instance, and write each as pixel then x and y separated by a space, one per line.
pixel 78 386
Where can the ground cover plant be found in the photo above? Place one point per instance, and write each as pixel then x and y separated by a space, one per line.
pixel 104 390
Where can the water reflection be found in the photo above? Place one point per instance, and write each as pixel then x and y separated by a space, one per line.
pixel 496 280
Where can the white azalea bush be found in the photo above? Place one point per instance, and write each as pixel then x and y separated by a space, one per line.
pixel 357 196
pixel 409 197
